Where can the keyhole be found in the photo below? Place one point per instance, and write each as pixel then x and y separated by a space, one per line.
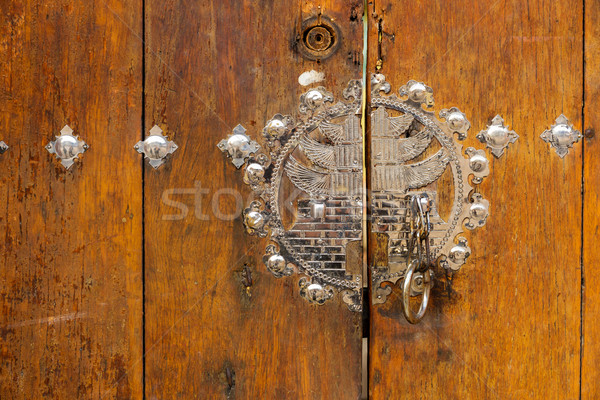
pixel 319 38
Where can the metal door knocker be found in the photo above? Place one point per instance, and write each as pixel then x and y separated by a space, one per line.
pixel 411 151
pixel 419 274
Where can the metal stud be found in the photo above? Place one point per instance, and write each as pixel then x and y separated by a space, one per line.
pixel 67 147
pixel 156 147
pixel 497 136
pixel 418 93
pixel 238 146
pixel 3 147
pixel 457 121
pixel 315 293
pixel 561 136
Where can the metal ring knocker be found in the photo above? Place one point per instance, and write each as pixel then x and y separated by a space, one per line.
pixel 410 315
pixel 420 227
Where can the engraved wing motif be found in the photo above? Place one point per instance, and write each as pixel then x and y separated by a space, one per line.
pixel 333 132
pixel 399 125
pixel 321 154
pixel 427 171
pixel 413 146
pixel 306 179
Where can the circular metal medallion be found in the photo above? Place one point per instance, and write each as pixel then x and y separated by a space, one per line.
pixel 309 189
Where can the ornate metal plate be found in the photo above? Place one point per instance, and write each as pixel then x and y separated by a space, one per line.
pixel 410 150
pixel 318 154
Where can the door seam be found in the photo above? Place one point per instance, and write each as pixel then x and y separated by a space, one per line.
pixel 142 134
pixel 582 238
pixel 366 320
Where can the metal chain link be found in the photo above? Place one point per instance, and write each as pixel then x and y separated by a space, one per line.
pixel 420 227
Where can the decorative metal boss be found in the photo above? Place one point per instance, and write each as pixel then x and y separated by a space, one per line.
pixel 156 147
pixel 67 147
pixel 561 136
pixel 319 154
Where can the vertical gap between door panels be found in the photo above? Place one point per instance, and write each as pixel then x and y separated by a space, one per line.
pixel 582 266
pixel 143 126
pixel 366 320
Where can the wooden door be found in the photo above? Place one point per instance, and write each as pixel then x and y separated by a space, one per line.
pixel 590 284
pixel 119 280
pixel 71 280
pixel 212 331
pixel 509 324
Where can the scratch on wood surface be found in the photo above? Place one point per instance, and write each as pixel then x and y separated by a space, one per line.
pixel 533 39
pixel 94 242
pixel 47 320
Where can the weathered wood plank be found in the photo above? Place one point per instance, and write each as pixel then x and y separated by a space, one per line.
pixel 511 327
pixel 210 66
pixel 590 386
pixel 70 257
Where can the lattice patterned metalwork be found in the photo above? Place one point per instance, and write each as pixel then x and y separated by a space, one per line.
pixel 402 169
pixel 319 154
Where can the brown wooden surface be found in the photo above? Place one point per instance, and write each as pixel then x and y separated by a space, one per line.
pixel 511 329
pixel 209 66
pixel 590 384
pixel 70 254
pixel 71 261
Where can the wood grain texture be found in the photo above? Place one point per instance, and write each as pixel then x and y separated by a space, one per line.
pixel 70 257
pixel 590 384
pixel 511 327
pixel 212 65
